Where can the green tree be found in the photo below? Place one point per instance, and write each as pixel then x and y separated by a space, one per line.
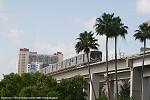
pixel 119 30
pixel 104 26
pixel 28 92
pixel 101 85
pixel 103 97
pixel 41 85
pixel 11 85
pixel 63 88
pixel 142 34
pixel 79 84
pixel 111 26
pixel 28 84
pixel 125 90
pixel 55 94
pixel 86 42
pixel 72 89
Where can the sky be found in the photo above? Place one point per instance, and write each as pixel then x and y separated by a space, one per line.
pixel 48 26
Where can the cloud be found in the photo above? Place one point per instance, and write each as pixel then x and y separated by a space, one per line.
pixel 14 34
pixel 143 6
pixel 3 19
pixel 43 47
pixel 2 4
pixel 86 24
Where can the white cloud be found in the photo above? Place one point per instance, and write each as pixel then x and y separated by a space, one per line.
pixel 67 50
pixel 143 6
pixel 14 34
pixel 86 24
pixel 3 19
pixel 2 3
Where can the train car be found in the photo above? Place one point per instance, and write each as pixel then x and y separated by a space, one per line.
pixel 73 61
pixel 94 56
pixel 64 64
pixel 50 68
pixel 53 68
pixel 59 67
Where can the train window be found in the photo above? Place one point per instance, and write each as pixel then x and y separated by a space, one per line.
pixel 69 62
pixel 56 66
pixel 61 64
pixel 65 63
pixel 76 60
pixel 96 55
pixel 83 57
pixel 52 67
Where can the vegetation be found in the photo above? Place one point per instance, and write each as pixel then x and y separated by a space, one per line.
pixel 142 34
pixel 72 89
pixel 102 95
pixel 39 85
pixel 103 27
pixel 124 93
pixel 86 42
pixel 110 26
pixel 119 30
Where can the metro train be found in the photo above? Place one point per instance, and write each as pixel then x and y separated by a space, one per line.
pixel 73 62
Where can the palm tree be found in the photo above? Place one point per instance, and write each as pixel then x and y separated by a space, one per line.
pixel 143 33
pixel 85 43
pixel 119 30
pixel 104 26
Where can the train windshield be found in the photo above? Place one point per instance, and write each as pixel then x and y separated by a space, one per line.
pixel 96 55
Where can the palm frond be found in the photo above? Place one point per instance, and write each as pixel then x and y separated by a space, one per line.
pixel 143 32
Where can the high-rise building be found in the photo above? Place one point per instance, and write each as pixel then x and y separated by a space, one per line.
pixel 25 57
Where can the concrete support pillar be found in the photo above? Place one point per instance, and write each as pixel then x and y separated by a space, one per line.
pixel 146 88
pixel 112 90
pixel 95 79
pixel 135 83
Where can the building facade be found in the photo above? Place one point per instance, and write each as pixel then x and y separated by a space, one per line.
pixel 25 57
pixel 34 67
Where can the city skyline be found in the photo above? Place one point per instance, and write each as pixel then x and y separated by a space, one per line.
pixel 48 26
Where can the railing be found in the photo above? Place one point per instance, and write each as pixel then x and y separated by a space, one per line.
pixel 112 56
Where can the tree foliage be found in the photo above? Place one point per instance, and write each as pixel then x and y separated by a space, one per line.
pixel 125 90
pixel 73 89
pixel 143 32
pixel 85 42
pixel 40 85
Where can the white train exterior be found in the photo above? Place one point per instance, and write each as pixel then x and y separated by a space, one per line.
pixel 73 62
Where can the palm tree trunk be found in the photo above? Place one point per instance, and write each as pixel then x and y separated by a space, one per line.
pixel 116 67
pixel 107 68
pixel 142 70
pixel 90 76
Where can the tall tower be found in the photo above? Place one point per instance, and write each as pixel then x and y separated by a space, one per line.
pixel 22 60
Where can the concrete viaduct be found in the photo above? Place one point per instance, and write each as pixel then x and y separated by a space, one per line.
pixel 129 67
